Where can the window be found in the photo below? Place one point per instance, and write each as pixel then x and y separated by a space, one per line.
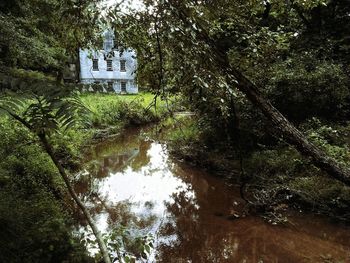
pixel 122 65
pixel 109 65
pixel 123 86
pixel 110 85
pixel 95 64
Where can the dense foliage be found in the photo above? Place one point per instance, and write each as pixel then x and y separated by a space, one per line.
pixel 296 52
pixel 44 35
pixel 35 225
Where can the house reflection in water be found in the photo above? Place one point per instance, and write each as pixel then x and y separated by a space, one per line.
pixel 111 157
pixel 116 162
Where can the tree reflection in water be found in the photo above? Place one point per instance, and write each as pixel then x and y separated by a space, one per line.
pixel 204 234
pixel 132 182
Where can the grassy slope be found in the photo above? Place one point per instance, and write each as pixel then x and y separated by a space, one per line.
pixel 93 99
pixel 111 110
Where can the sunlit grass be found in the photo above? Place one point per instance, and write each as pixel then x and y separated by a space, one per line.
pixel 112 109
pixel 145 98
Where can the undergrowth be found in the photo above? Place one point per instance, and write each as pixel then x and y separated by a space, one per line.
pixel 275 175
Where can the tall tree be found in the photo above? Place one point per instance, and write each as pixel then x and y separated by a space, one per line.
pixel 201 41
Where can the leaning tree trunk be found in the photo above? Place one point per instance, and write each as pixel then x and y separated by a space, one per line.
pixel 288 131
pixel 97 233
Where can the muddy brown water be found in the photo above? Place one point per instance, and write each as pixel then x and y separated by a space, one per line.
pixel 133 181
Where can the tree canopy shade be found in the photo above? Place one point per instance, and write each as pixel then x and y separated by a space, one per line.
pixel 210 50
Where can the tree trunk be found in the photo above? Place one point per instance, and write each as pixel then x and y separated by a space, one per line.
pixel 288 131
pixel 97 233
pixel 77 67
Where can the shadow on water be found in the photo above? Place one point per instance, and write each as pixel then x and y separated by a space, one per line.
pixel 132 181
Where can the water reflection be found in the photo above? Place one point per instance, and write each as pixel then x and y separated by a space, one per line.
pixel 133 182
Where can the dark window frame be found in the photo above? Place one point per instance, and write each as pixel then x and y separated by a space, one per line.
pixel 123 83
pixel 95 64
pixel 110 85
pixel 122 65
pixel 109 63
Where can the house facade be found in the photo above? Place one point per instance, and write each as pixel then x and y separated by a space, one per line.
pixel 111 68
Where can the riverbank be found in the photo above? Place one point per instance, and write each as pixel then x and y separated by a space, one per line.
pixel 33 207
pixel 109 115
pixel 31 187
pixel 273 176
pixel 139 192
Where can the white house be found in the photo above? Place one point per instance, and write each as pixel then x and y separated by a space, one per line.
pixel 111 67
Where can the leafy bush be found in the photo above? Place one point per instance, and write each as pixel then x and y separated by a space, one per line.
pixel 31 75
pixel 275 164
pixel 331 139
pixel 184 134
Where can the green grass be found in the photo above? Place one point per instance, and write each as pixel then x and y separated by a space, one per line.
pixel 145 98
pixel 113 110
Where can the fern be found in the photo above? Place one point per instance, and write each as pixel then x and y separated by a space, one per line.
pixel 45 107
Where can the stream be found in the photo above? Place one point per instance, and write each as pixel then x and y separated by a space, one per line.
pixel 133 182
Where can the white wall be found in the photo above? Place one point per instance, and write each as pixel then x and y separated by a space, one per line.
pixel 88 75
